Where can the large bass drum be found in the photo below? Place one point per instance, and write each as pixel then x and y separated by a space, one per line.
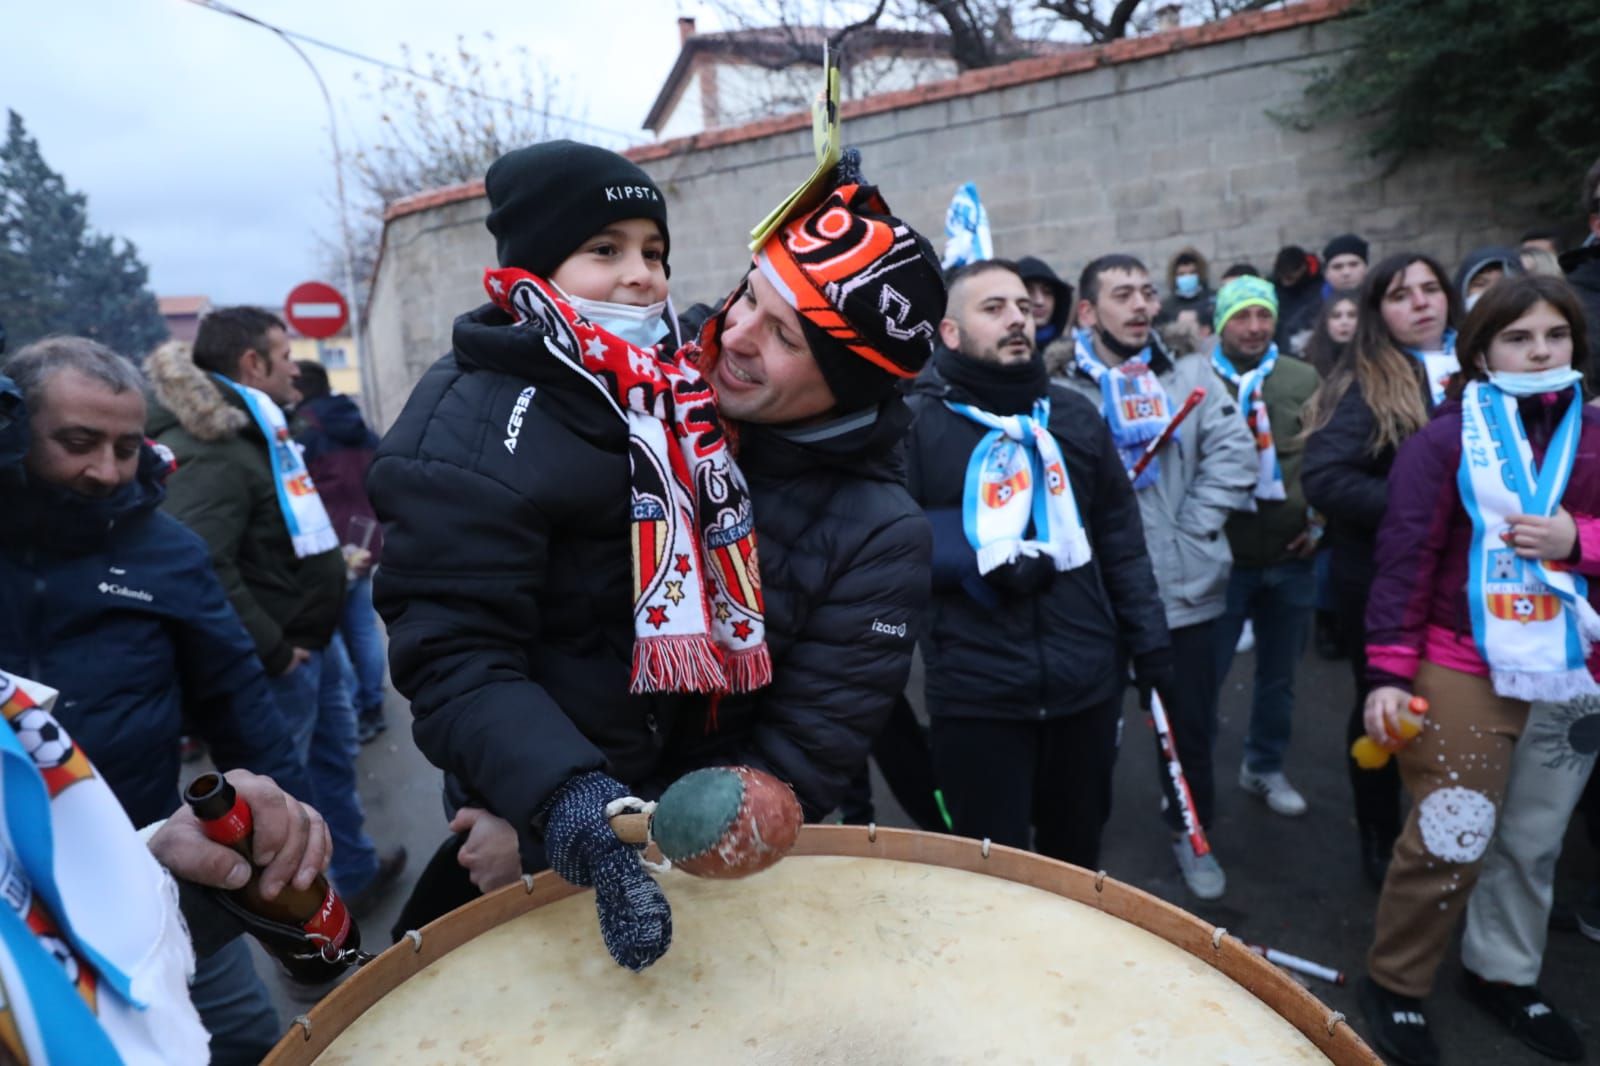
pixel 863 946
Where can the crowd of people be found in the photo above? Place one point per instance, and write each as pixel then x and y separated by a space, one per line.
pixel 609 547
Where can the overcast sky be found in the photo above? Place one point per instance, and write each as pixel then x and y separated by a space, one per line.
pixel 204 140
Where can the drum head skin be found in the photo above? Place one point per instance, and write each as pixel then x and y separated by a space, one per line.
pixel 827 959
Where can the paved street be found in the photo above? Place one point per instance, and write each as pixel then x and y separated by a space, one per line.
pixel 1292 883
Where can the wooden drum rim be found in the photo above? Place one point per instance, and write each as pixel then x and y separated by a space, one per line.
pixel 311 1034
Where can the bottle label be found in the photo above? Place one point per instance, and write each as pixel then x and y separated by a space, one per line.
pixel 331 924
pixel 232 827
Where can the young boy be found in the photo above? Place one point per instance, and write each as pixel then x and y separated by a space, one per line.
pixel 533 658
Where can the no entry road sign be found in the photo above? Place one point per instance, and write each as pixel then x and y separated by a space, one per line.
pixel 316 309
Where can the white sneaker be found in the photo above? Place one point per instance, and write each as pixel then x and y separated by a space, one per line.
pixel 1202 873
pixel 1247 638
pixel 1276 790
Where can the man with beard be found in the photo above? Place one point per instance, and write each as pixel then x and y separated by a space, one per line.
pixel 1042 585
pixel 115 605
pixel 1272 584
pixel 1204 471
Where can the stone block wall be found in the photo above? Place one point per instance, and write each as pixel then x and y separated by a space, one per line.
pixel 1143 146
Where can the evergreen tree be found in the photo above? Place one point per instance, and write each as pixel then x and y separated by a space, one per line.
pixel 56 276
pixel 1510 85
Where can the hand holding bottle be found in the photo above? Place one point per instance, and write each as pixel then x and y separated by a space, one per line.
pixel 290 842
pixel 1393 718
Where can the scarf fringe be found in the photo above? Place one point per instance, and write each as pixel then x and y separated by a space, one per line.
pixel 748 669
pixel 998 554
pixel 685 663
pixel 308 544
pixel 1558 687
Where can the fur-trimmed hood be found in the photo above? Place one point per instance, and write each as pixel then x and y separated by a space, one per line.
pixel 189 396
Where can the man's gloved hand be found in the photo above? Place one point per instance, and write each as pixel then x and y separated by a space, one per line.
pixel 1153 670
pixel 634 917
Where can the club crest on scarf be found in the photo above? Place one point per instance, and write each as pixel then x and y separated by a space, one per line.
pixel 697 592
pixel 1513 595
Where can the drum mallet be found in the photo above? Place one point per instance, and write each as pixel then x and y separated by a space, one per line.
pixel 1297 964
pixel 1180 784
pixel 723 821
pixel 1155 446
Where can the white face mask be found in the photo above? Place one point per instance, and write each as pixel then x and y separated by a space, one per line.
pixel 1535 383
pixel 641 327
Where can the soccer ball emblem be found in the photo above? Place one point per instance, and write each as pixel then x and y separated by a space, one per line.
pixel 43 738
pixel 62 954
pixel 1522 607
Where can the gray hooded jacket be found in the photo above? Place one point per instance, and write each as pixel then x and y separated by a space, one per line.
pixel 1207 471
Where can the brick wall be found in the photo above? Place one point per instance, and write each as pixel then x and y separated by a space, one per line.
pixel 1143 146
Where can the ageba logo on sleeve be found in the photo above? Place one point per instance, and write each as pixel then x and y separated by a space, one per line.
pixel 514 423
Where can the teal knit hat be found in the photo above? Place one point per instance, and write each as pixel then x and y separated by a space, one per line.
pixel 1242 292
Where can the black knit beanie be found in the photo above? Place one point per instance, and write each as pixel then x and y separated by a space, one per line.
pixel 1345 244
pixel 547 199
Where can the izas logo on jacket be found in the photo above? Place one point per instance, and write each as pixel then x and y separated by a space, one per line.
pixel 514 423
pixel 880 626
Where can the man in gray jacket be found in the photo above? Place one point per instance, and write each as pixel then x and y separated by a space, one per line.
pixel 1204 470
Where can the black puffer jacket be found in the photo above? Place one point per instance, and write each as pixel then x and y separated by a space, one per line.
pixel 844 571
pixel 1348 483
pixel 507 576
pixel 1058 645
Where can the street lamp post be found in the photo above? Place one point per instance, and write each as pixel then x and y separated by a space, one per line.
pixel 369 372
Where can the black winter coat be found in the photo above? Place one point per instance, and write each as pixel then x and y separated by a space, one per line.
pixel 507 574
pixel 1050 649
pixel 115 605
pixel 1348 483
pixel 844 571
pixel 507 588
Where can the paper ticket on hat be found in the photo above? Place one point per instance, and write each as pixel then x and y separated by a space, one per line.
pixel 825 140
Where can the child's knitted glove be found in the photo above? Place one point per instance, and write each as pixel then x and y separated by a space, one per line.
pixel 634 917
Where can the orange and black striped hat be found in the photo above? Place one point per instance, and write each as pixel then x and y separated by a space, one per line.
pixel 867 288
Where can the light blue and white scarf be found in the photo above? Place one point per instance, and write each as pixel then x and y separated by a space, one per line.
pixel 1531 619
pixel 94 960
pixel 1132 401
pixel 309 528
pixel 999 501
pixel 1251 385
pixel 1438 367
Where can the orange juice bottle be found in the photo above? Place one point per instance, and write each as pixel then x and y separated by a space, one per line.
pixel 1369 755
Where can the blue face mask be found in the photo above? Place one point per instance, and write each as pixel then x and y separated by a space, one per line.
pixel 1535 383
pixel 1188 285
pixel 641 327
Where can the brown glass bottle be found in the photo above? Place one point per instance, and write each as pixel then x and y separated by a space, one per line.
pixel 315 911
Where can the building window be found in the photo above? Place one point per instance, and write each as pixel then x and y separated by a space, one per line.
pixel 333 358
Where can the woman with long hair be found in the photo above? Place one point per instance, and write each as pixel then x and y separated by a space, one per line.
pixel 1335 329
pixel 1480 604
pixel 1373 399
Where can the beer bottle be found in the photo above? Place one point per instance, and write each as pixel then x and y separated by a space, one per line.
pixel 308 930
pixel 1370 755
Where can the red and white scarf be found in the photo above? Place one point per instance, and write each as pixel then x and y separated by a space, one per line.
pixel 697 607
